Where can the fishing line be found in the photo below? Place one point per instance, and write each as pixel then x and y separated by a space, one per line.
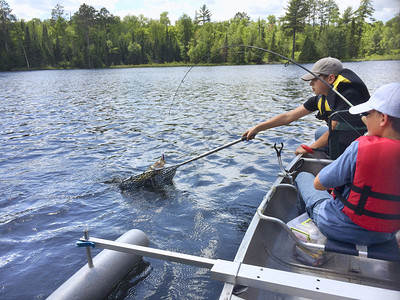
pixel 288 60
pixel 195 64
pixel 159 177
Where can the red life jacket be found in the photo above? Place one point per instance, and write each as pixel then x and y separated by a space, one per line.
pixel 374 199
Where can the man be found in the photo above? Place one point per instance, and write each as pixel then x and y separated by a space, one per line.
pixel 325 102
pixel 366 209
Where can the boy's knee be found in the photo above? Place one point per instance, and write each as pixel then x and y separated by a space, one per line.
pixel 320 131
pixel 305 177
pixel 303 182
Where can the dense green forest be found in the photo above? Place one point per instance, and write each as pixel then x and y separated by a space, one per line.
pixel 93 38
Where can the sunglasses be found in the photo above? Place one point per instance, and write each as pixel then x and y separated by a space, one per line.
pixel 368 112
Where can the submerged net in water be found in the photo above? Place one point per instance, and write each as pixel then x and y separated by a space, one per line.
pixel 156 176
pixel 151 178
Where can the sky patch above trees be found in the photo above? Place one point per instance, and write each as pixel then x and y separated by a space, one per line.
pixel 222 10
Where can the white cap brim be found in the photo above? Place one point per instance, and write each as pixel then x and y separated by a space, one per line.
pixel 361 108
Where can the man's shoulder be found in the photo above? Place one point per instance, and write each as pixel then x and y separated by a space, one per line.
pixel 311 103
pixel 352 84
pixel 350 75
pixel 368 141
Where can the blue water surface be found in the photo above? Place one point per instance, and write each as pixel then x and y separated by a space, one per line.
pixel 66 134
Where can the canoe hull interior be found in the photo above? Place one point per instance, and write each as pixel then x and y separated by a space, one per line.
pixel 267 245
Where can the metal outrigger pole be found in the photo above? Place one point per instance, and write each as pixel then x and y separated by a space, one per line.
pixel 253 276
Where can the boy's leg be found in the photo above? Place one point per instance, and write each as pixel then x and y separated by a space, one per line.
pixel 312 198
pixel 318 133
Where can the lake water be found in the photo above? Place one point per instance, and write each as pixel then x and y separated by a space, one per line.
pixel 64 134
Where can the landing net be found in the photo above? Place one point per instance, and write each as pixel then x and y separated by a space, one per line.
pixel 152 178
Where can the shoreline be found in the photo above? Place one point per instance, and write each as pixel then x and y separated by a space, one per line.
pixel 182 64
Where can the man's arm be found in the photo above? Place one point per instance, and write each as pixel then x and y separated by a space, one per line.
pixel 318 185
pixel 320 143
pixel 339 172
pixel 279 120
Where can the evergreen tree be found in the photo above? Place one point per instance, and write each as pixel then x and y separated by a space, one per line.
pixel 313 9
pixel 203 16
pixel 6 19
pixel 365 11
pixel 185 33
pixel 332 43
pixel 308 51
pixel 347 16
pixel 167 46
pixel 85 19
pixel 242 16
pixel 294 20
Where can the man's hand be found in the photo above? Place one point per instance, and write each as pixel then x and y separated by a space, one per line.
pixel 300 150
pixel 250 134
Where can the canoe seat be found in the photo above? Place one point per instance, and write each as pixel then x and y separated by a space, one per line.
pixel 385 251
pixel 388 251
pixel 304 225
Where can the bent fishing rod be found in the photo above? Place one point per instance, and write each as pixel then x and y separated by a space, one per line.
pixel 167 174
pixel 331 87
pixel 268 51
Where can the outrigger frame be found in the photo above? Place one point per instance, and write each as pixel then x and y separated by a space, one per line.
pixel 284 282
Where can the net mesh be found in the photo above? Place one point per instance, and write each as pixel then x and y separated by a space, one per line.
pixel 152 179
pixel 157 176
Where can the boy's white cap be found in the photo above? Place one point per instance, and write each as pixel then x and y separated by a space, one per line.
pixel 386 100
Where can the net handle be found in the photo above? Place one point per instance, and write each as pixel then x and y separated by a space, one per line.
pixel 213 151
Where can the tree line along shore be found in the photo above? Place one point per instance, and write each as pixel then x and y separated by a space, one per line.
pixel 90 38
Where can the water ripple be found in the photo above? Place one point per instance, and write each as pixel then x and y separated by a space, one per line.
pixel 64 134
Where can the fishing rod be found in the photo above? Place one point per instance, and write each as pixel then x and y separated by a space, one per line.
pixel 164 176
pixel 268 51
pixel 331 87
pixel 196 63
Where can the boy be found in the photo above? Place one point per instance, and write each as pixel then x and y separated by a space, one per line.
pixel 325 102
pixel 366 209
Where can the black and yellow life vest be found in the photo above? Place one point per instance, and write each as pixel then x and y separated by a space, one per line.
pixel 324 111
pixel 346 82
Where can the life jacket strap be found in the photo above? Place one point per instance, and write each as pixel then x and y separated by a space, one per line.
pixel 382 196
pixel 365 193
pixel 360 209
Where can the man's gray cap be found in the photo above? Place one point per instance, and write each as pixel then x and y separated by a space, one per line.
pixel 325 66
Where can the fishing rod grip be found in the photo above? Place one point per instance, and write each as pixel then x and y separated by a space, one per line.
pixel 244 138
pixel 311 150
pixel 308 149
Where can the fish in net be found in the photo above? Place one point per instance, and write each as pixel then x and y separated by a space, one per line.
pixel 157 176
pixel 153 178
